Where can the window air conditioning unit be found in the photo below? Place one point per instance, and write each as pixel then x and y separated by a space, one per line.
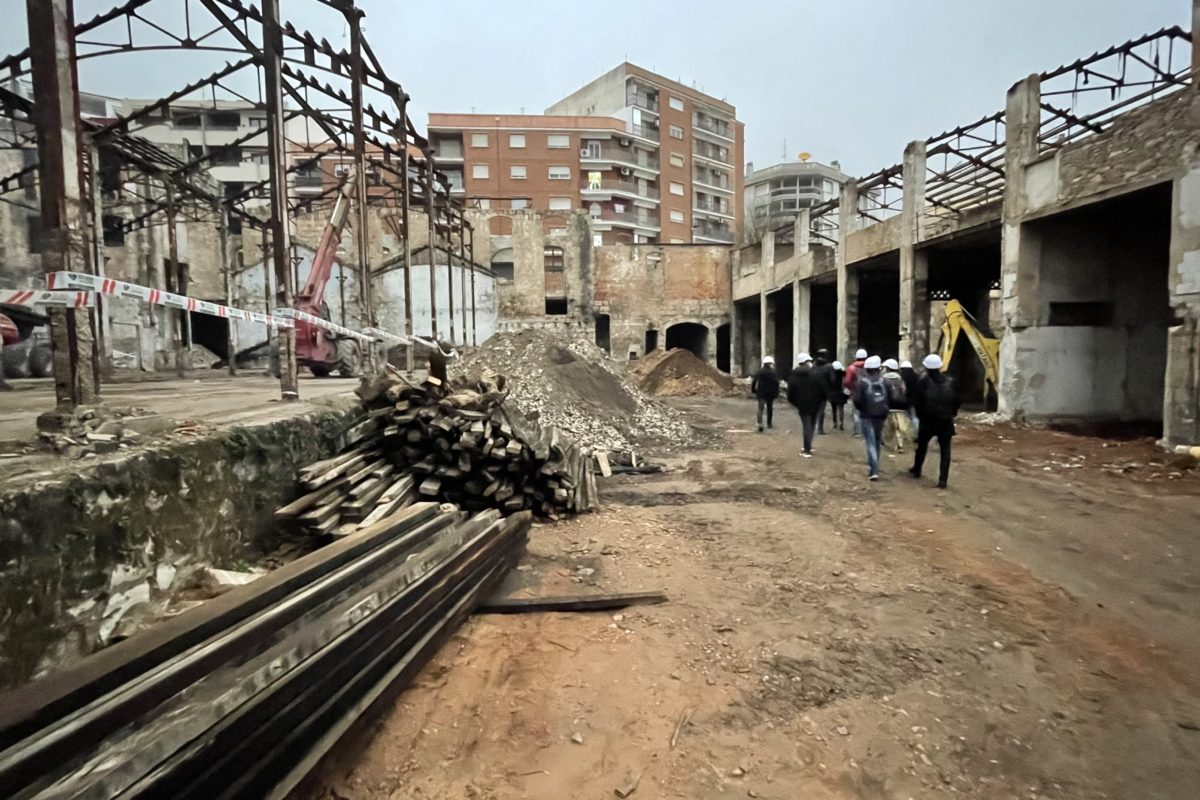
pixel 626 171
pixel 626 141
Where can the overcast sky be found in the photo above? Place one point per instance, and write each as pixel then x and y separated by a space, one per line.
pixel 852 80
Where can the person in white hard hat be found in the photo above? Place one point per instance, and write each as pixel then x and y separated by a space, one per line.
pixel 837 397
pixel 910 377
pixel 850 383
pixel 897 430
pixel 937 403
pixel 872 401
pixel 807 394
pixel 765 387
pixel 823 374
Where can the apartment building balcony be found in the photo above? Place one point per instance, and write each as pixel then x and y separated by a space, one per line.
pixel 598 153
pixel 308 183
pixel 636 96
pixel 609 218
pixel 712 153
pixel 712 126
pixel 718 234
pixel 717 206
pixel 607 189
pixel 713 181
pixel 643 131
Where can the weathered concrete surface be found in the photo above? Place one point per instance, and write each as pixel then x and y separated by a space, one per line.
pixel 78 550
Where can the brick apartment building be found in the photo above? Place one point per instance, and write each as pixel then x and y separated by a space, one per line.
pixel 649 159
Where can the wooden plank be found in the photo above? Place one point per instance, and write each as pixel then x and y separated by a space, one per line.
pixel 595 602
pixel 602 461
pixel 317 498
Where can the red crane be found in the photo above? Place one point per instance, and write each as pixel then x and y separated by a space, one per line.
pixel 320 350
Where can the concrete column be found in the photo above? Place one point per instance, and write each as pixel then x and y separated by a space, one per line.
pixel 735 342
pixel 766 325
pixel 710 347
pixel 914 264
pixel 801 317
pixel 847 282
pixel 1020 260
pixel 1181 396
pixel 60 152
pixel 800 234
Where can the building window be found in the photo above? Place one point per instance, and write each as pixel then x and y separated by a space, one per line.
pixel 676 216
pixel 502 265
pixel 479 171
pixel 561 204
pixel 594 211
pixel 676 103
pixel 558 141
pixel 517 172
pixel 676 132
pixel 484 203
pixel 560 173
pixel 479 140
pixel 552 259
pixel 677 159
pixel 619 208
pixel 556 306
pixel 516 141
pixel 519 202
pixel 34 235
pixel 677 188
pixel 597 239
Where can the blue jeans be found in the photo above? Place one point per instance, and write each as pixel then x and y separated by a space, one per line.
pixel 872 430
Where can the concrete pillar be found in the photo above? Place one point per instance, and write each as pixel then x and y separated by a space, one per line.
pixel 801 317
pixel 1181 396
pixel 710 346
pixel 847 282
pixel 914 264
pixel 1020 260
pixel 735 342
pixel 800 234
pixel 766 318
pixel 60 152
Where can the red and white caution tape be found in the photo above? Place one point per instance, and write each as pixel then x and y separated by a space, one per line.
pixel 301 316
pixel 385 336
pixel 43 297
pixel 158 297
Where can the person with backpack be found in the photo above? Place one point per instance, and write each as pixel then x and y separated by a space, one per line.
pixel 837 398
pixel 822 372
pixel 897 430
pixel 937 404
pixel 872 403
pixel 806 390
pixel 850 384
pixel 765 387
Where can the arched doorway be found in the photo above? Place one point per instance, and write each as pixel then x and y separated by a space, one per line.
pixel 502 265
pixel 690 336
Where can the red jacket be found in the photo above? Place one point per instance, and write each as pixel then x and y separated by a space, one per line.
pixel 850 382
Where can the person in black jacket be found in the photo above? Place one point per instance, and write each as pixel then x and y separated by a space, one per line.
pixel 837 396
pixel 937 405
pixel 910 377
pixel 765 386
pixel 822 374
pixel 807 390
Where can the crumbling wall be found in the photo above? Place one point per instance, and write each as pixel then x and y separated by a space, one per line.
pixel 73 548
pixel 875 239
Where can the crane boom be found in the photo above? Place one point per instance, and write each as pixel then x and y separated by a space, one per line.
pixel 311 296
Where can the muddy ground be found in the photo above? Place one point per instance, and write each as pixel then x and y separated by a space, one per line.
pixel 1030 633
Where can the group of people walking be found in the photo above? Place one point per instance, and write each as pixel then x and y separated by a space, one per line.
pixel 891 404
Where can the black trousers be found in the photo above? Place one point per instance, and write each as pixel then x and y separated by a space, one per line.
pixel 770 407
pixel 807 423
pixel 943 431
pixel 821 418
pixel 838 415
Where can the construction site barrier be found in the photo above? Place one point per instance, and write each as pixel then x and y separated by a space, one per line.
pixel 302 316
pixel 44 297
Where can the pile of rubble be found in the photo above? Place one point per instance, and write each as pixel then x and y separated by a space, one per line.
pixel 99 430
pixel 571 384
pixel 679 373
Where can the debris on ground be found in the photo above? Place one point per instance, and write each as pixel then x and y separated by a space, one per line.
pixel 462 444
pixel 679 373
pixel 97 430
pixel 572 385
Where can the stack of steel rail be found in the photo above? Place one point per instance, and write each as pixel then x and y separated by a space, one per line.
pixel 241 696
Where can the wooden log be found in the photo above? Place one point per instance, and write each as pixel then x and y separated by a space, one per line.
pixel 595 602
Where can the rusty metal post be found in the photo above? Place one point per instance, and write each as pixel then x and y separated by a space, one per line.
pixel 462 272
pixel 56 112
pixel 407 220
pixel 103 318
pixel 450 269
pixel 174 282
pixel 281 249
pixel 231 342
pixel 474 300
pixel 431 210
pixel 353 19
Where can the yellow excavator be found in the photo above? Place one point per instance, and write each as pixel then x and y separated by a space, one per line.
pixel 959 322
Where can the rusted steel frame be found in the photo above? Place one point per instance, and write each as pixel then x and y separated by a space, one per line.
pixel 1174 32
pixel 431 213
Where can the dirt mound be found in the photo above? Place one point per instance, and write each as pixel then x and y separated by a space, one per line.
pixel 679 373
pixel 571 384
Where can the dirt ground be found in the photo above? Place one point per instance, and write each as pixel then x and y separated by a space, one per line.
pixel 1030 633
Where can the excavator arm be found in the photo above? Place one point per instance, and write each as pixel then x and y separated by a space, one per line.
pixel 987 347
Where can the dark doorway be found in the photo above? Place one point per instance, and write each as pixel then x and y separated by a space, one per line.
pixel 822 320
pixel 879 307
pixel 779 306
pixel 689 336
pixel 723 347
pixel 603 340
pixel 747 317
pixel 651 341
pixel 556 305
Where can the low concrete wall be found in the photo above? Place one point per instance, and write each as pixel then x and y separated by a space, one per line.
pixel 73 549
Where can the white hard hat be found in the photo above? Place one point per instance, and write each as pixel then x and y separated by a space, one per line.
pixel 838 365
pixel 932 361
pixel 891 364
pixel 803 358
pixel 905 365
pixel 860 353
pixel 768 359
pixel 873 363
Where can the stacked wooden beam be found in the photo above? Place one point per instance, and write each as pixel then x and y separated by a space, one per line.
pixel 463 445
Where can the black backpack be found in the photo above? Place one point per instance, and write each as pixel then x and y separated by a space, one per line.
pixel 941 401
pixel 874 395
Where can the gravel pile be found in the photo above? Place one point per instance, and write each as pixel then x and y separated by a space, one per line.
pixel 572 385
pixel 678 373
